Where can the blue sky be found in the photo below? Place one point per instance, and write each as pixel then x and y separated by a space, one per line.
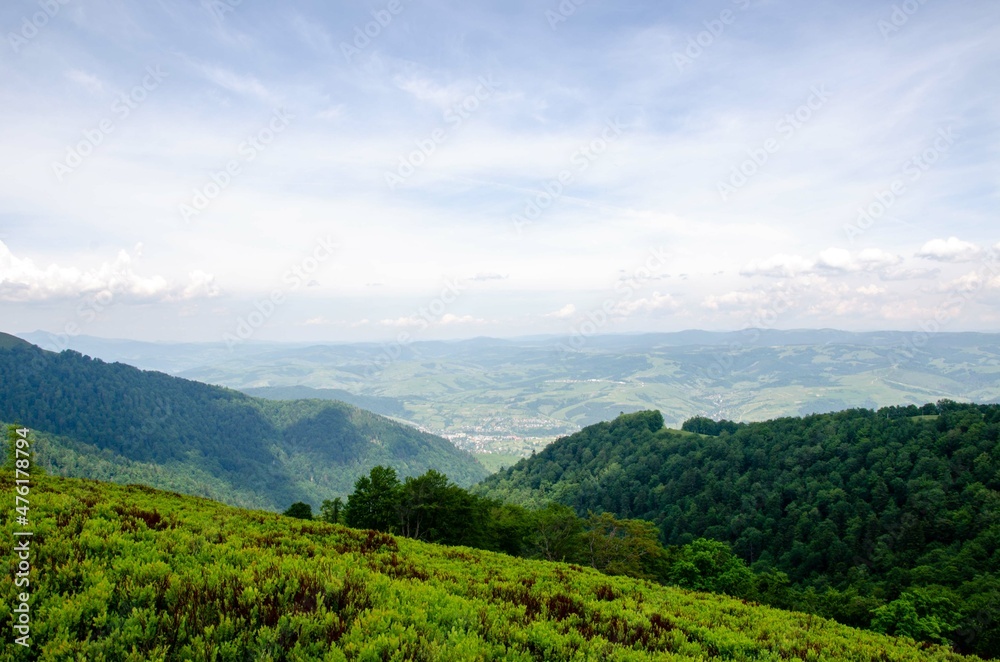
pixel 349 171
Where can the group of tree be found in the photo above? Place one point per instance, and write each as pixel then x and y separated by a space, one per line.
pixel 885 519
pixel 432 509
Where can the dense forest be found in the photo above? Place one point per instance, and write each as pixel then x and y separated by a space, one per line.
pixel 885 519
pixel 116 422
pixel 134 574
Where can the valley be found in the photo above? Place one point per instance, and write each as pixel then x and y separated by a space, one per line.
pixel 513 397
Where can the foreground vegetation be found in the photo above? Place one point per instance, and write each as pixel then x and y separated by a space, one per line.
pixel 887 520
pixel 131 573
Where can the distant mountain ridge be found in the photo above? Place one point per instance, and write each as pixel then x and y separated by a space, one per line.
pixel 113 421
pixel 515 395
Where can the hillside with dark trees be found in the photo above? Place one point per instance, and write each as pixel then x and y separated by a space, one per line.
pixel 111 421
pixel 885 519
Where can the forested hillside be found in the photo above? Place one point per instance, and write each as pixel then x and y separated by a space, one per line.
pixel 133 574
pixel 888 518
pixel 116 422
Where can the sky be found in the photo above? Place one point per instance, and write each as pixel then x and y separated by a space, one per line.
pixel 403 170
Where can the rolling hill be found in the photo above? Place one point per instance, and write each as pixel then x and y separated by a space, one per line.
pixel 517 395
pixel 134 574
pixel 859 511
pixel 120 423
pixel 8 341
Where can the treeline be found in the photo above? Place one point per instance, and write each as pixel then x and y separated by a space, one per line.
pixel 885 519
pixel 433 509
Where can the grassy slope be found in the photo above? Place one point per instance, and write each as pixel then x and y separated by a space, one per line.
pixel 130 573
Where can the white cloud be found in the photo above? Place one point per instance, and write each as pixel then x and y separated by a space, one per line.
pixel 21 280
pixel 565 312
pixel 871 290
pixel 951 249
pixel 654 302
pixel 830 260
pixel 82 78
pixel 836 259
pixel 872 259
pixel 202 285
pixel 969 282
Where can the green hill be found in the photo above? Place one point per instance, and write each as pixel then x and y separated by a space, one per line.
pixel 8 341
pixel 888 519
pixel 115 422
pixel 128 573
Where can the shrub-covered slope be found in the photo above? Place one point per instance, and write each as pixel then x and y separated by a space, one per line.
pixel 128 573
pixel 117 422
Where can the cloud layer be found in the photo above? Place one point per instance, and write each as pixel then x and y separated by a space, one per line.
pixel 553 168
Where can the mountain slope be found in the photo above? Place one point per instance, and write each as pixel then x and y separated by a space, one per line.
pixel 130 573
pixel 8 341
pixel 173 431
pixel 859 509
